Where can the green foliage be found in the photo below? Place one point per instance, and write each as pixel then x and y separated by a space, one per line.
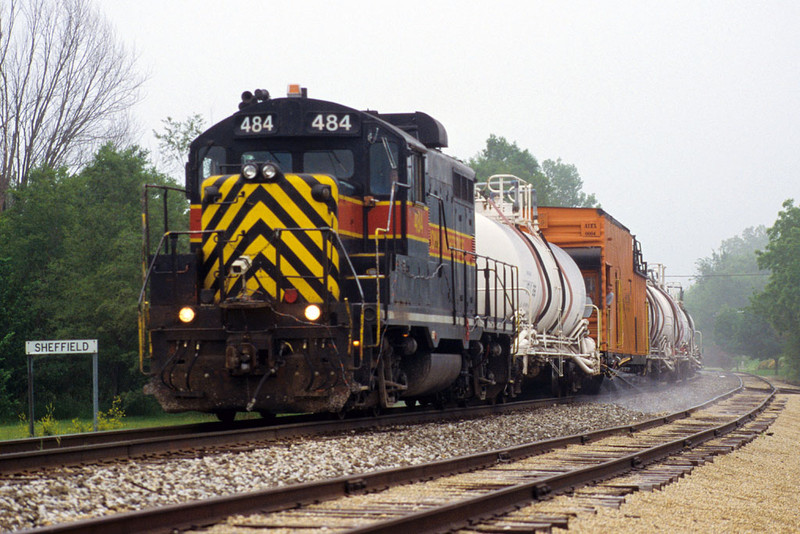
pixel 502 157
pixel 111 419
pixel 566 185
pixel 48 424
pixel 70 267
pixel 176 137
pixel 136 403
pixel 744 331
pixel 79 427
pixel 719 301
pixel 556 183
pixel 8 405
pixel 22 429
pixel 779 302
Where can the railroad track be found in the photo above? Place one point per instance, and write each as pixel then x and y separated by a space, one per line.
pixel 472 487
pixel 58 451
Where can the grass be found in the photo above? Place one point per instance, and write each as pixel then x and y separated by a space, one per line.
pixel 766 368
pixel 19 430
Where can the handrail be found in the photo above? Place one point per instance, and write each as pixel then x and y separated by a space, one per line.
pixel 156 255
pixel 510 290
pixel 389 224
pixel 146 211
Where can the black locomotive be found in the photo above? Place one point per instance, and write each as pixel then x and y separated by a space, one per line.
pixel 331 267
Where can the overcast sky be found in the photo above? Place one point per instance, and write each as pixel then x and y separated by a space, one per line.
pixel 682 117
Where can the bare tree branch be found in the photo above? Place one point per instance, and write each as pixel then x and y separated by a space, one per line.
pixel 66 86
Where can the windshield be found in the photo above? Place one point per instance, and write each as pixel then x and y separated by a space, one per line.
pixel 337 163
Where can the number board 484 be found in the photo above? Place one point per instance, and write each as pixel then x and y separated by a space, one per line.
pixel 261 124
pixel 333 123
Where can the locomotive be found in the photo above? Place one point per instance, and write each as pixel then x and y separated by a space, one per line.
pixel 338 260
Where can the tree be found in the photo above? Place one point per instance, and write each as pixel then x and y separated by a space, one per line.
pixel 566 185
pixel 502 157
pixel 746 332
pixel 70 267
pixel 719 301
pixel 177 136
pixel 779 302
pixel 65 86
pixel 556 183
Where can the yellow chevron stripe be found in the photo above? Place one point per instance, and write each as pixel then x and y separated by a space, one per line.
pixel 311 258
pixel 290 239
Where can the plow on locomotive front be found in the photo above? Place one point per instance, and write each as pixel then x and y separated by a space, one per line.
pixel 329 265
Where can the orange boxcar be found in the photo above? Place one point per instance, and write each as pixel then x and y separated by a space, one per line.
pixel 611 262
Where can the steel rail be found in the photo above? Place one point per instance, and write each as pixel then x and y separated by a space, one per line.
pixel 25 455
pixel 41 443
pixel 63 441
pixel 462 513
pixel 209 511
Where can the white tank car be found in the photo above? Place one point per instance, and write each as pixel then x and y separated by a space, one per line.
pixel 551 290
pixel 671 329
pixel 542 293
pixel 663 333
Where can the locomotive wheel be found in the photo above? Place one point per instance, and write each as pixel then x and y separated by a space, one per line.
pixel 267 416
pixel 226 416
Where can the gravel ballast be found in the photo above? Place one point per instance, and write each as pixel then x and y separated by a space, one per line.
pixel 58 495
pixel 753 489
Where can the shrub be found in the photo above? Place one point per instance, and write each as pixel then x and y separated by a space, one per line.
pixel 78 426
pixel 48 423
pixel 111 419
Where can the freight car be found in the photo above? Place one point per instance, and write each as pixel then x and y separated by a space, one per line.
pixel 674 342
pixel 640 327
pixel 554 343
pixel 337 260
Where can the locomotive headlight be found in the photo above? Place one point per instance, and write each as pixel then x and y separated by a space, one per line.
pixel 186 315
pixel 269 171
pixel 313 312
pixel 249 171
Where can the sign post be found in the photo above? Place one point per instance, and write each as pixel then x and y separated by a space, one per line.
pixel 72 346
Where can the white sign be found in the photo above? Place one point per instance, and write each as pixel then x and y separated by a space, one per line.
pixel 67 346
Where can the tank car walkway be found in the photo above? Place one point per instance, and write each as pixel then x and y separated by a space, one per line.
pixel 753 489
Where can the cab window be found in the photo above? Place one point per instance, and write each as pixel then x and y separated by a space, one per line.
pixel 336 163
pixel 212 162
pixel 416 178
